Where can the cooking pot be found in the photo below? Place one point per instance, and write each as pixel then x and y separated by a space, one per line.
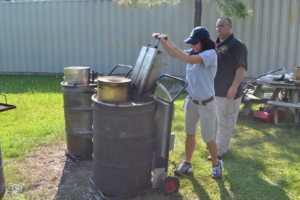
pixel 113 89
pixel 77 75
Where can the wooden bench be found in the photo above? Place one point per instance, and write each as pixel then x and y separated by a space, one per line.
pixel 258 96
pixel 254 99
pixel 278 104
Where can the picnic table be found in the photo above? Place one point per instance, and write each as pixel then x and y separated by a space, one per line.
pixel 290 90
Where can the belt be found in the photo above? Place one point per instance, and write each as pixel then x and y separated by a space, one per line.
pixel 203 102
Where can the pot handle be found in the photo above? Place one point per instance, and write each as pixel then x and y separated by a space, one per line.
pixel 121 65
pixel 158 39
pixel 185 84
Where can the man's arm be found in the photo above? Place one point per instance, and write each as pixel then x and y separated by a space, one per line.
pixel 239 75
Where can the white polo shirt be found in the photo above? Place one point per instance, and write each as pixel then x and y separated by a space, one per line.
pixel 200 76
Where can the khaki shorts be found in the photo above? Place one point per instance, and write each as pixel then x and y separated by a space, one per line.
pixel 205 114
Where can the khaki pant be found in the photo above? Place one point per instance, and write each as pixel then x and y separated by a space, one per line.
pixel 227 114
pixel 205 114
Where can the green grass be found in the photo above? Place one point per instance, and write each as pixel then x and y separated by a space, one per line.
pixel 263 161
pixel 38 118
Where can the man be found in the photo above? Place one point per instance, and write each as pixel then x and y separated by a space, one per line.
pixel 232 66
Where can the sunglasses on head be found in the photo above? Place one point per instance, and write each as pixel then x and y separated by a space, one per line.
pixel 195 43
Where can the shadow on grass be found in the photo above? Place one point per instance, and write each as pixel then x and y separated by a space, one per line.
pixel 247 182
pixel 267 134
pixel 200 191
pixel 256 151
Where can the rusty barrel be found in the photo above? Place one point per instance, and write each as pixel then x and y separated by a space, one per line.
pixel 2 180
pixel 78 118
pixel 122 140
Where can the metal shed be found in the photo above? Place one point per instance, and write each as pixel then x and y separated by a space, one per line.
pixel 46 36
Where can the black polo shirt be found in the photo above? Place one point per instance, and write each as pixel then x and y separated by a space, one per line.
pixel 233 54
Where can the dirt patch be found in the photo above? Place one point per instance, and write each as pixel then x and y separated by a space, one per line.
pixel 50 174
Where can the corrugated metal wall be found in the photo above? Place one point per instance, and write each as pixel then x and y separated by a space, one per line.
pixel 46 36
pixel 271 35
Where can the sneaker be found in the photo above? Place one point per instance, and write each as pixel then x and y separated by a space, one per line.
pixel 217 170
pixel 209 157
pixel 185 167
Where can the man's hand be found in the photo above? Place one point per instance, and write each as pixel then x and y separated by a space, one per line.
pixel 231 92
pixel 239 74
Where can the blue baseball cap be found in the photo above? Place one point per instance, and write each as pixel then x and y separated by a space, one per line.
pixel 197 34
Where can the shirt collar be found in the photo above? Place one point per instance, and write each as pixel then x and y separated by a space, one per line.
pixel 229 38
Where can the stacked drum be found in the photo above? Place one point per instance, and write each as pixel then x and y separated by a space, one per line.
pixel 77 92
pixel 123 128
pixel 117 125
pixel 123 132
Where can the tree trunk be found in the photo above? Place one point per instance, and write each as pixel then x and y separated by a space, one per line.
pixel 198 13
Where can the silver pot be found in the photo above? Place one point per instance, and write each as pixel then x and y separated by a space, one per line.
pixel 113 89
pixel 77 75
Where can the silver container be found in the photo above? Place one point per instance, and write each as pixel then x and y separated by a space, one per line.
pixel 78 118
pixel 113 89
pixel 122 139
pixel 146 72
pixel 77 75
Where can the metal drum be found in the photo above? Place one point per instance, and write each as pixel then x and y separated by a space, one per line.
pixel 2 180
pixel 78 116
pixel 123 135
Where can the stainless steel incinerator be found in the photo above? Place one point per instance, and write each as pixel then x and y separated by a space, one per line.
pixel 131 136
pixel 123 127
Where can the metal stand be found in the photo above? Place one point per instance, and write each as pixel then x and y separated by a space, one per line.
pixel 5 106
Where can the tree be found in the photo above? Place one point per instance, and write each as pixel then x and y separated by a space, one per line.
pixel 229 8
pixel 146 3
pixel 233 8
pixel 198 13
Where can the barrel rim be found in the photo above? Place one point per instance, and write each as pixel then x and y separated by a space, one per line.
pixel 125 104
pixel 76 86
pixel 113 79
pixel 77 70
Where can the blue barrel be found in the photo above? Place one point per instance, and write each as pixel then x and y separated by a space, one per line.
pixel 122 142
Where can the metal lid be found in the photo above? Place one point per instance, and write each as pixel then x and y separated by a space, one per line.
pixel 77 70
pixel 114 79
pixel 146 72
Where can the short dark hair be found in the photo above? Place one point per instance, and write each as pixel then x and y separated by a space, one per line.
pixel 227 19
